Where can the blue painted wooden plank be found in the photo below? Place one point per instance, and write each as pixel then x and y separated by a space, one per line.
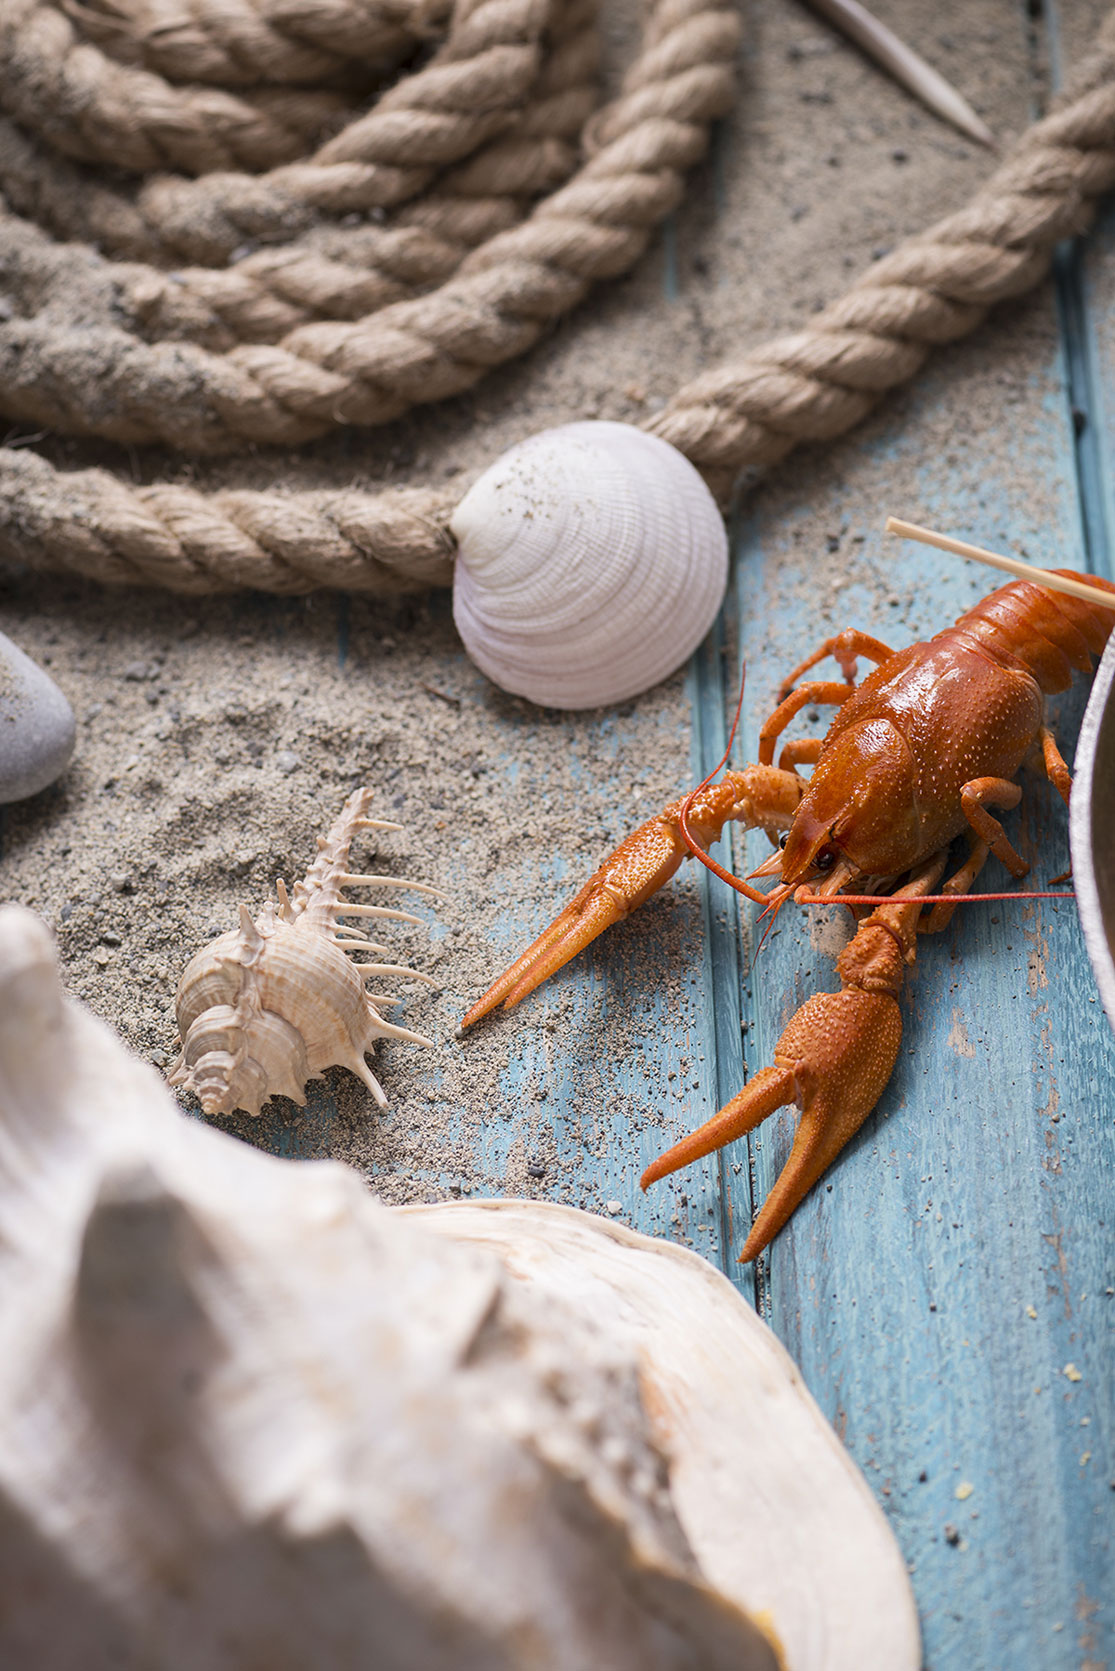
pixel 609 1058
pixel 981 1185
pixel 723 941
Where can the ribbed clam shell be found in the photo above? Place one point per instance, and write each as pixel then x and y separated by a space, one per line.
pixel 592 562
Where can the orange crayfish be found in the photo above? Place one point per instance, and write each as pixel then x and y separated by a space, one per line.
pixel 916 755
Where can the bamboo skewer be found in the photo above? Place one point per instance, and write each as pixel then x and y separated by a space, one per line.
pixel 1010 565
pixel 905 65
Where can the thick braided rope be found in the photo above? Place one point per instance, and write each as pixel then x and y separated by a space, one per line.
pixel 90 107
pixel 73 203
pixel 933 289
pixel 101 381
pixel 242 43
pixel 469 92
pixel 90 523
pixel 817 383
pixel 333 272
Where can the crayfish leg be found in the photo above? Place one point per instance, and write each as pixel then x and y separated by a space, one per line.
pixel 844 648
pixel 1053 761
pixel 975 797
pixel 823 693
pixel 941 914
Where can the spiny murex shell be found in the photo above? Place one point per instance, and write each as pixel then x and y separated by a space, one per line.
pixel 592 561
pixel 252 1418
pixel 270 1004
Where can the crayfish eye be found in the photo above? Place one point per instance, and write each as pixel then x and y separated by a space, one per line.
pixel 783 838
pixel 825 859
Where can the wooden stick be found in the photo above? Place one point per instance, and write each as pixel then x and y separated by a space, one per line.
pixel 904 64
pixel 1011 565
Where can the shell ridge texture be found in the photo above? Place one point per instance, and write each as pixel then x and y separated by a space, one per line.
pixel 592 561
pixel 271 1004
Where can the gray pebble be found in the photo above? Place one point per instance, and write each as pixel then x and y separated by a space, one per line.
pixel 36 726
pixel 287 761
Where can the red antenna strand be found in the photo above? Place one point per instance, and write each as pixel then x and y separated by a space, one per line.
pixel 698 851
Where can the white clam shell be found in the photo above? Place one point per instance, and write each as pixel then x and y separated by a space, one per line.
pixel 592 561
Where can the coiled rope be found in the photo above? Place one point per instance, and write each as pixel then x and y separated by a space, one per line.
pixel 319 324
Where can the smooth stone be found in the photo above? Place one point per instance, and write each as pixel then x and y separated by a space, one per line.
pixel 36 726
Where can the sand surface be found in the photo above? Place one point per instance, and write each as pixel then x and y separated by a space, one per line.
pixel 218 737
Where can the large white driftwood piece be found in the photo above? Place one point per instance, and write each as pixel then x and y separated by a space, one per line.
pixel 253 1418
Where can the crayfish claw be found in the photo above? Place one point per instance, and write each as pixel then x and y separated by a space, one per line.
pixel 833 1059
pixel 771 1088
pixel 638 868
pixel 586 916
pixel 839 1081
pixel 760 796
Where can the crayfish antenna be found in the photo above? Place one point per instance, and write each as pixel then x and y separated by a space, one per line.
pixel 776 900
pixel 699 851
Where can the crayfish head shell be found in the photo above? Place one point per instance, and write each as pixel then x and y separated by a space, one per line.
pixel 859 806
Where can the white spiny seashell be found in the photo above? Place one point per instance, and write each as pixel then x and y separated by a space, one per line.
pixel 271 1004
pixel 253 1418
pixel 592 561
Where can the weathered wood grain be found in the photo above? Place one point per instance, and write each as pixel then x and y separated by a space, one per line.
pixel 939 1283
